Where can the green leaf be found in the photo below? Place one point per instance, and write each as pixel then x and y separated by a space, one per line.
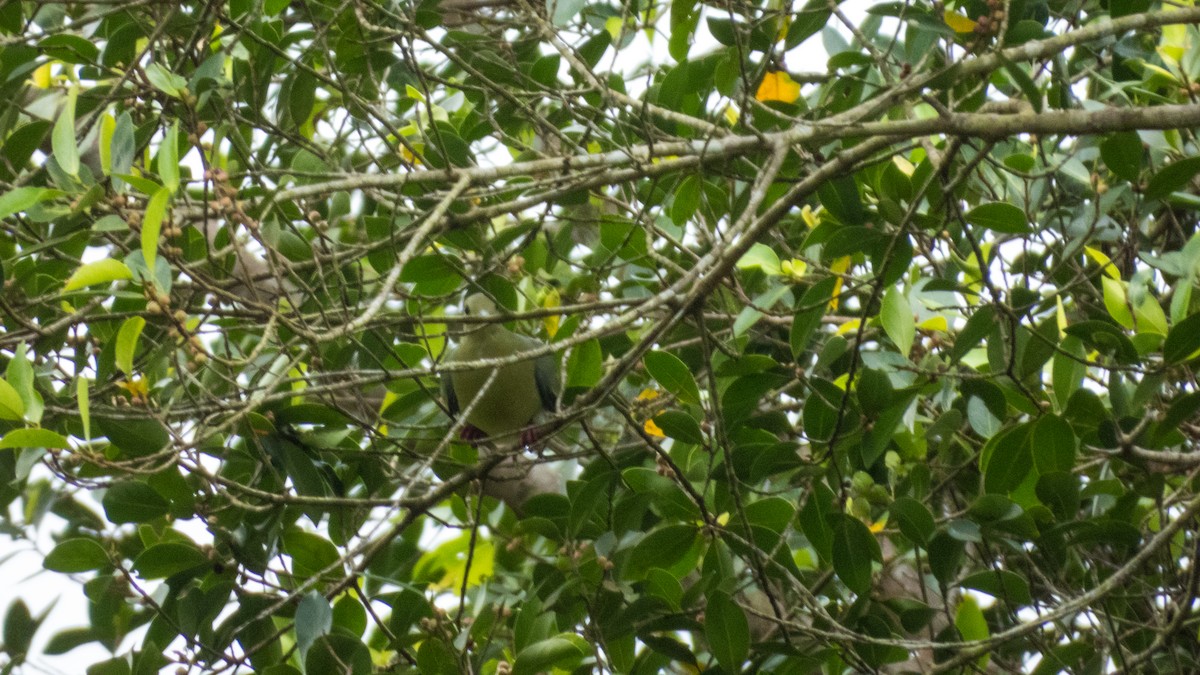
pixel 84 403
pixel 1068 370
pixel 773 513
pixel 301 95
pixel 820 414
pixel 114 666
pixel 661 547
pixel 62 141
pixel 310 552
pixel 585 365
pixel 1150 317
pixel 972 625
pixel 20 199
pixel 76 555
pixel 727 631
pixel 314 618
pixel 34 438
pixel 168 559
pixel 563 11
pixel 662 584
pixel 123 146
pixel 135 437
pixel 808 22
pixel 131 501
pixel 545 70
pixel 20 375
pixel 1172 177
pixel 999 217
pixel 168 160
pixel 680 426
pixel 339 653
pixel 1003 585
pixel 1054 445
pixel 1116 301
pixel 102 271
pixel 165 81
pixel 670 372
pixel 854 547
pixel 156 210
pixel 914 520
pixel 686 200
pixel 66 640
pixel 19 628
pixel 435 658
pixel 559 652
pixel 896 316
pixel 1122 153
pixel 431 275
pixel 760 257
pixel 1023 81
pixel 127 341
pixel 684 17
pixel 840 197
pixel 809 311
pixel 1006 460
pixel 11 405
pixel 1183 341
pixel 1105 338
pixel 815 520
pixel 1060 493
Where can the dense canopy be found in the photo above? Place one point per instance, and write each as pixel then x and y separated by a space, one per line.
pixel 874 324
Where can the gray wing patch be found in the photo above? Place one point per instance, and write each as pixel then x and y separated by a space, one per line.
pixel 448 394
pixel 544 373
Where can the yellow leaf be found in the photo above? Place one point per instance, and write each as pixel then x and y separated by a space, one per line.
pixel 408 155
pixel 551 300
pixel 958 22
pixel 934 323
pixel 1060 314
pixel 1174 43
pixel 1116 301
pixel 794 268
pixel 651 428
pixel 648 395
pixel 848 327
pixel 108 126
pixel 42 76
pixel 877 526
pixel 731 115
pixel 1159 70
pixel 777 85
pixel 810 218
pixel 136 386
pixel 613 25
pixel 1103 261
pixel 839 268
pixel 450 560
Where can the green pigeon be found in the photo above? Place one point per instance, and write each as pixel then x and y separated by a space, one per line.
pixel 519 390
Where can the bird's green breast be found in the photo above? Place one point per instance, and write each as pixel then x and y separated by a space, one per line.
pixel 510 402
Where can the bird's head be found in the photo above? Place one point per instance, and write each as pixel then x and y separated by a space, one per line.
pixel 479 304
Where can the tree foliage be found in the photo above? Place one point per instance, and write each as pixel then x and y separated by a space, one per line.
pixel 882 360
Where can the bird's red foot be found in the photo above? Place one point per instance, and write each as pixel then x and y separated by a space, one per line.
pixel 470 433
pixel 530 436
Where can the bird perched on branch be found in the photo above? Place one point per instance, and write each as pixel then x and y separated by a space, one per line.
pixel 515 394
